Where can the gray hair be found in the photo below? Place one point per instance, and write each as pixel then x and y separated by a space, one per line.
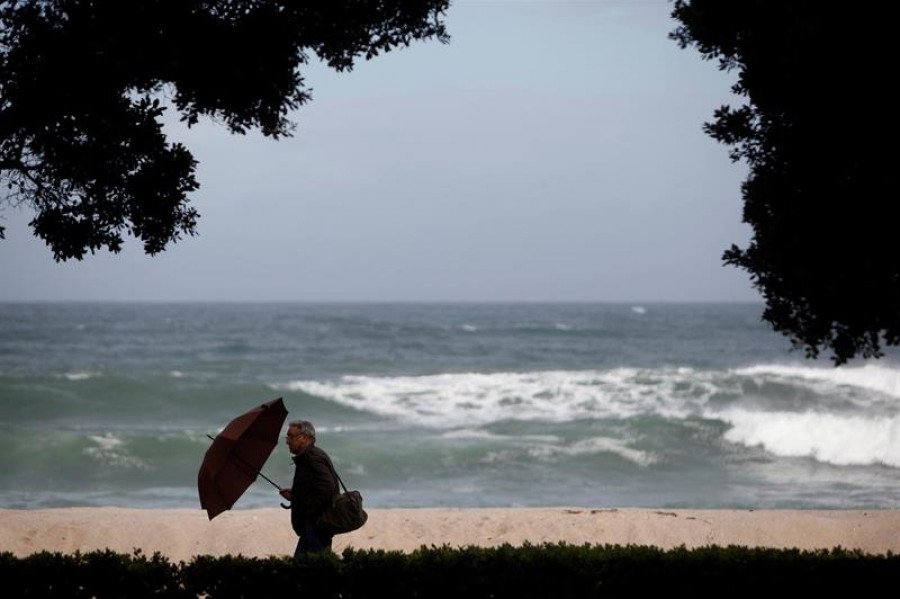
pixel 305 427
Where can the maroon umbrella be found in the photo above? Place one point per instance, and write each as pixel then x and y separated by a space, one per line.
pixel 237 454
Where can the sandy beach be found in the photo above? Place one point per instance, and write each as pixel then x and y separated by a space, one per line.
pixel 182 533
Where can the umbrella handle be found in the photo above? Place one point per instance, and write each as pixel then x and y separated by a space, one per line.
pixel 286 506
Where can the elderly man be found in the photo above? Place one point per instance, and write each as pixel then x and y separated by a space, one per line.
pixel 313 488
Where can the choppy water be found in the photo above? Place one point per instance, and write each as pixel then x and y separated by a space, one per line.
pixel 445 405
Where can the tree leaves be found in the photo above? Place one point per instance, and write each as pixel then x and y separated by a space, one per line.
pixel 80 134
pixel 823 175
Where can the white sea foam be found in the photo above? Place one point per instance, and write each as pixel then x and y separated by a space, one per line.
pixel 107 442
pixel 853 433
pixel 467 433
pixel 552 447
pixel 357 470
pixel 495 457
pixel 469 328
pixel 872 377
pixel 79 376
pixel 595 445
pixel 562 395
pixel 831 438
pixel 110 450
pixel 466 399
pixel 639 309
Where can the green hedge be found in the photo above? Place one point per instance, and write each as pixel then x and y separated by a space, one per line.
pixel 552 571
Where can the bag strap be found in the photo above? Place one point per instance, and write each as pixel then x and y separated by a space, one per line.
pixel 336 475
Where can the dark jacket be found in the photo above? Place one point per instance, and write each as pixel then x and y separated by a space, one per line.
pixel 314 487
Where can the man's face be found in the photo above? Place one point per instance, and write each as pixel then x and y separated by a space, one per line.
pixel 296 441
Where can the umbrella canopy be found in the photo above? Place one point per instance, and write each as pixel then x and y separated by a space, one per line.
pixel 237 454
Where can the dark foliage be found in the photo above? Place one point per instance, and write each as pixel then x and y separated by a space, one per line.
pixel 89 575
pixel 544 571
pixel 819 133
pixel 80 133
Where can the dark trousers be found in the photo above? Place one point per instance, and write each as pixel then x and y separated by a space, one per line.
pixel 312 541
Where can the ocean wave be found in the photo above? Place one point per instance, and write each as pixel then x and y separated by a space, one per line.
pixel 483 435
pixel 110 450
pixel 595 445
pixel 830 438
pixel 79 376
pixel 882 378
pixel 551 447
pixel 465 399
pixel 549 327
pixel 833 416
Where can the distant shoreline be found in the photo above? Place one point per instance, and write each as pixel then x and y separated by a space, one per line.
pixel 180 534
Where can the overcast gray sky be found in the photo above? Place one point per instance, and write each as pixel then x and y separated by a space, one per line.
pixel 552 151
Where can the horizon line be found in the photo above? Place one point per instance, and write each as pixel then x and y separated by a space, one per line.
pixel 390 301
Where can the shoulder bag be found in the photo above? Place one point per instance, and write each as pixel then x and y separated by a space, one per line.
pixel 345 513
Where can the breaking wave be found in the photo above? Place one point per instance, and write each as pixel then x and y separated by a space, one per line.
pixel 848 416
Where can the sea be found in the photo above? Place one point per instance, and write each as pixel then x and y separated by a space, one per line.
pixel 445 405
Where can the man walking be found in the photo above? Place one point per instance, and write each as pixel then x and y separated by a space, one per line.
pixel 313 488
